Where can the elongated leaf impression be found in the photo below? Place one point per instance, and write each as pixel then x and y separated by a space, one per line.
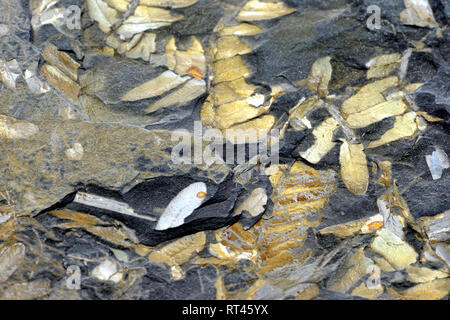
pixel 320 76
pixel 354 171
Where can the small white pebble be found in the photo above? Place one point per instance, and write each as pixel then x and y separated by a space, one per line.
pixel 76 152
pixel 107 271
pixel 256 100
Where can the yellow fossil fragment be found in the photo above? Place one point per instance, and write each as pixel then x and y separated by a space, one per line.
pixel 256 10
pixel 145 18
pixel 229 69
pixel 413 87
pixel 171 49
pixel 124 5
pixel 399 253
pixel 168 3
pixel 349 229
pixel 368 96
pixel 188 92
pixel 310 291
pixel 125 46
pixel 116 232
pixel 143 48
pixel 61 60
pixel 11 128
pixel 381 71
pixel 354 170
pixel 383 65
pixel 222 252
pixel 178 252
pixel 237 112
pixel 166 81
pixel 192 61
pixel 26 290
pixel 250 131
pixel 418 13
pixel 121 5
pixel 434 290
pixel 208 114
pixel 298 114
pixel 299 192
pixel 103 14
pixel 323 135
pixel 424 274
pixel 113 41
pixel 386 175
pixel 230 46
pixel 428 117
pixel 320 76
pixel 369 293
pixel 376 113
pixel 355 267
pixel 241 29
pixel 254 204
pixel 384 59
pixel 405 126
pixel 11 257
pixel 60 81
pixel 227 92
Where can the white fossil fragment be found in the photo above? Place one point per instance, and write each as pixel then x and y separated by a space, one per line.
pixel 3 29
pixel 76 152
pixel 323 143
pixel 103 14
pixel 144 48
pixel 437 228
pixel 54 16
pixel 256 10
pixel 42 5
pixel 168 3
pixel 12 128
pixel 11 257
pixel 443 252
pixel 166 81
pixel 96 201
pixel 418 13
pixel 256 100
pixel 390 221
pixel 145 18
pixel 188 92
pixel 35 84
pixel 254 204
pixel 107 271
pixel 9 72
pixel 182 206
pixel 437 162
pixel 4 217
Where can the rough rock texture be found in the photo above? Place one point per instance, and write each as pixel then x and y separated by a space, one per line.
pixel 89 164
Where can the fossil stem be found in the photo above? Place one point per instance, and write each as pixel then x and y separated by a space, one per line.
pixel 349 134
pixel 93 200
